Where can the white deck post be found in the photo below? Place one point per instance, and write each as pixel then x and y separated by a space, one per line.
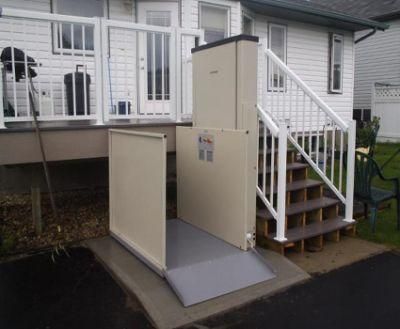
pixel 2 125
pixel 99 71
pixel 351 150
pixel 178 75
pixel 281 202
pixel 172 77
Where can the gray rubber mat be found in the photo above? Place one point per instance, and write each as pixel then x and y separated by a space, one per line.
pixel 201 266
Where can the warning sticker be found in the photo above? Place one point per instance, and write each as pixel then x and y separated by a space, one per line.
pixel 206 147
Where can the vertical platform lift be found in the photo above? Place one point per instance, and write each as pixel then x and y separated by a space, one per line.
pixel 209 250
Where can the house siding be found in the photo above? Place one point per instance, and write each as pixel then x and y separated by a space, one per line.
pixel 377 60
pixel 308 57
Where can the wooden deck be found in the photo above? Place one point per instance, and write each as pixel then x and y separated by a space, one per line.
pixel 72 140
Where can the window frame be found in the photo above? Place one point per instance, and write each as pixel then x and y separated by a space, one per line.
pixel 269 77
pixel 251 18
pixel 219 6
pixel 332 38
pixel 55 34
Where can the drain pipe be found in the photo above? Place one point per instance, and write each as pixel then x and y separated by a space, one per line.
pixel 370 34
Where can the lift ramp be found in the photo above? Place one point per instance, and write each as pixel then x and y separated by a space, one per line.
pixel 201 266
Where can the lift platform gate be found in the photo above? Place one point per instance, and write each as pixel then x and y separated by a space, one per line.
pixel 214 179
pixel 137 165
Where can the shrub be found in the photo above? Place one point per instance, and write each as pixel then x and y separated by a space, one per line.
pixel 366 134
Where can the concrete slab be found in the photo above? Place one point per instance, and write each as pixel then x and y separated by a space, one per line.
pixel 335 255
pixel 160 302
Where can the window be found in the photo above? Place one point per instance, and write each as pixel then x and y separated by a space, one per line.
pixel 336 64
pixel 277 44
pixel 76 36
pixel 247 24
pixel 215 22
pixel 158 56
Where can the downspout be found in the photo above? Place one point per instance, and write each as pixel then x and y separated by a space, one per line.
pixel 370 34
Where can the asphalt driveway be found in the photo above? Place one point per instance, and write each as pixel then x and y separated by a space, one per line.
pixel 76 292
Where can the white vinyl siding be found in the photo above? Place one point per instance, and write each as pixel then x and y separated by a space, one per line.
pixel 377 60
pixel 308 57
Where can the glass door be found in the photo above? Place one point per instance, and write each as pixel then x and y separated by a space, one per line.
pixel 154 59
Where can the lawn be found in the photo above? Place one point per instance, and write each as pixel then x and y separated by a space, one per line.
pixel 386 227
pixel 386 230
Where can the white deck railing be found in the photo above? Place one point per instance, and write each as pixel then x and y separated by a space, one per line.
pixel 94 68
pixel 325 140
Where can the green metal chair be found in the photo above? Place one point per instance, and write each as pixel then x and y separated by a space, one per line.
pixel 365 171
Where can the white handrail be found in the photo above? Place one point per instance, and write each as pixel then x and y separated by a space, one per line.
pixel 309 120
pixel 264 192
pixel 47 17
pixel 268 121
pixel 316 99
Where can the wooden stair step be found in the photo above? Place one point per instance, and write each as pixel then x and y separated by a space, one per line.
pixel 299 185
pixel 312 230
pixel 289 166
pixel 300 207
pixel 269 150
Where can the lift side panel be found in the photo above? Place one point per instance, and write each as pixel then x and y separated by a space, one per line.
pixel 212 195
pixel 137 164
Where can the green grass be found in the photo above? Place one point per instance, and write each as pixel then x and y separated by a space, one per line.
pixel 386 226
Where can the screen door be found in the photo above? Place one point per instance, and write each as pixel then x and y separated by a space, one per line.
pixel 154 58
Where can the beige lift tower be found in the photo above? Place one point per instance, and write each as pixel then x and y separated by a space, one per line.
pixel 208 250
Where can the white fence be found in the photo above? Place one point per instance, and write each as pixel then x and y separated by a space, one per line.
pixel 93 68
pixel 386 106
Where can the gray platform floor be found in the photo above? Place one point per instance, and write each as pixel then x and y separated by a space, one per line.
pixel 161 303
pixel 201 267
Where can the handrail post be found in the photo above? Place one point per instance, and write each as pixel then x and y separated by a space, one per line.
pixel 98 57
pixel 2 125
pixel 281 202
pixel 351 150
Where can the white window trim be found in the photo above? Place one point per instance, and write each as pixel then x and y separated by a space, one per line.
pixel 334 36
pixel 284 27
pixel 58 50
pixel 251 18
pixel 214 5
